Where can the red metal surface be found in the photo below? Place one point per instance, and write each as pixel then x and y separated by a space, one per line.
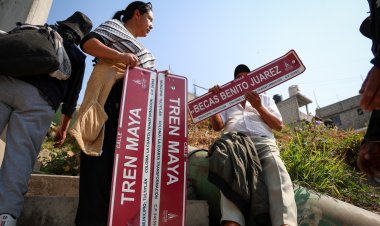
pixel 132 167
pixel 259 80
pixel 149 178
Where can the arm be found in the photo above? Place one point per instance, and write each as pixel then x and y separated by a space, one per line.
pixel 271 120
pixel 74 86
pixel 370 90
pixel 97 49
pixel 215 120
pixel 60 136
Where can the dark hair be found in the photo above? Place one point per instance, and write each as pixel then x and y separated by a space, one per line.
pixel 127 13
pixel 241 68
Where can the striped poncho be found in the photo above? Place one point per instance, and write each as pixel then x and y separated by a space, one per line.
pixel 116 36
pixel 89 127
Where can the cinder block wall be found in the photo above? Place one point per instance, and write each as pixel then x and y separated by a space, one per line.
pixel 289 110
pixel 349 112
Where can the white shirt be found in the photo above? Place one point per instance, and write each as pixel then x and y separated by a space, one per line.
pixel 247 120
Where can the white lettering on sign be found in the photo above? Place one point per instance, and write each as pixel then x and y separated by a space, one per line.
pixel 206 103
pixel 133 129
pixel 129 180
pixel 173 165
pixel 235 90
pixel 174 129
pixel 174 119
pixel 118 139
pixel 257 79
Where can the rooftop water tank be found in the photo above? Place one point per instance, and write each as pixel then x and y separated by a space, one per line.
pixel 293 90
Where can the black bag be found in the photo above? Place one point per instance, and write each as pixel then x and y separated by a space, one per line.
pixel 28 51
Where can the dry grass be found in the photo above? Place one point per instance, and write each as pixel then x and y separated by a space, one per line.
pixel 201 135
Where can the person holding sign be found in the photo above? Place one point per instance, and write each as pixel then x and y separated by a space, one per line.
pixel 256 117
pixel 115 46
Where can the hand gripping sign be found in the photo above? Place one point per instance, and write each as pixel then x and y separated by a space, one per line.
pixel 149 176
pixel 259 80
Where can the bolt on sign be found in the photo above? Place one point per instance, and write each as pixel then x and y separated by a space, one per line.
pixel 149 175
pixel 259 80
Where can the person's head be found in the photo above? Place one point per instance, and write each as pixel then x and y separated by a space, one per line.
pixel 138 17
pixel 241 70
pixel 78 23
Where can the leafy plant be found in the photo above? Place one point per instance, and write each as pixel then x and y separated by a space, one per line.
pixel 62 160
pixel 324 159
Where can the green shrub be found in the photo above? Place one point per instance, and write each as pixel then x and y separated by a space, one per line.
pixel 62 160
pixel 324 159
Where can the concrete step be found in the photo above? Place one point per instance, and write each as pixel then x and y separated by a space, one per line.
pixel 53 200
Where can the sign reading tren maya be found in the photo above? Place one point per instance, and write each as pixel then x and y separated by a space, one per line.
pixel 150 164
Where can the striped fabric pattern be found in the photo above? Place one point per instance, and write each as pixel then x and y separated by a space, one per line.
pixel 118 37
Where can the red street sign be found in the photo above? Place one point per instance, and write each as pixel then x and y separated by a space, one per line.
pixel 130 195
pixel 170 162
pixel 149 175
pixel 268 76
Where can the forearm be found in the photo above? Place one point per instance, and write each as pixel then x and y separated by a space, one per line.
pixel 370 90
pixel 271 120
pixel 65 122
pixel 60 136
pixel 216 122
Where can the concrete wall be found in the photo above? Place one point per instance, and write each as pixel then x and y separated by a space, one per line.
pixel 289 110
pixel 28 11
pixel 351 119
pixel 339 107
pixel 347 113
pixel 306 117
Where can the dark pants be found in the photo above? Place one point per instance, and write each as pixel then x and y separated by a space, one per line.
pixel 96 172
pixel 373 131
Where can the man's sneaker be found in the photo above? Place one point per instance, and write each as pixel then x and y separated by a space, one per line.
pixel 7 220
